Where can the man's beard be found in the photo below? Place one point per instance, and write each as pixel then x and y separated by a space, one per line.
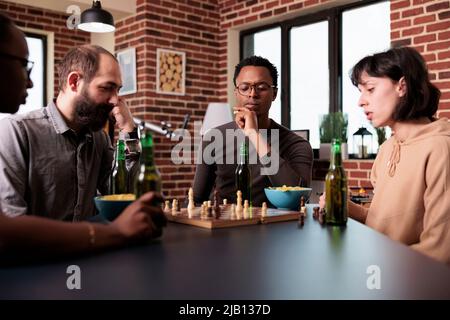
pixel 91 115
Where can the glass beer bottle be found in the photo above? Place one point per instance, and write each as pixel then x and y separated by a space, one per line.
pixel 148 178
pixel 336 208
pixel 243 174
pixel 120 173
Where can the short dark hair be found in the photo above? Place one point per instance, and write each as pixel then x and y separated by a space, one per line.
pixel 421 98
pixel 5 24
pixel 257 61
pixel 84 59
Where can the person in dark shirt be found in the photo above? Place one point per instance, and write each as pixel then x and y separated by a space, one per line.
pixel 280 157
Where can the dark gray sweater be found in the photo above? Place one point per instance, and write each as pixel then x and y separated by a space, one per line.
pixel 295 158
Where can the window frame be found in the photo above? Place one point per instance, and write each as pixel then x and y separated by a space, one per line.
pixel 334 18
pixel 44 39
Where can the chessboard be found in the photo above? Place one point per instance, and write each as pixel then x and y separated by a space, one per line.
pixel 226 220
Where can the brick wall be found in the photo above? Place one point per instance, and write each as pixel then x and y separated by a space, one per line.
pixel 47 20
pixel 425 25
pixel 188 26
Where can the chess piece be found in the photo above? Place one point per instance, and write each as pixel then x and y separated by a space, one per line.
pixel 216 208
pixel 175 207
pixel 225 202
pixel 209 212
pixel 316 212
pixel 238 204
pixel 191 205
pixel 246 210
pixel 301 220
pixel 167 206
pixel 202 211
pixel 264 210
pixel 233 212
pixel 302 207
pixel 322 216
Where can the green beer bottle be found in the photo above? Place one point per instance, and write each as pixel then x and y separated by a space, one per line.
pixel 243 174
pixel 148 178
pixel 119 174
pixel 336 209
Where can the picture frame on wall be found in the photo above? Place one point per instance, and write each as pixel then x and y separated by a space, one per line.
pixel 127 63
pixel 170 72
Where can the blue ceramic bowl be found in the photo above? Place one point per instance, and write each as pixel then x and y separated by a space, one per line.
pixel 289 200
pixel 110 209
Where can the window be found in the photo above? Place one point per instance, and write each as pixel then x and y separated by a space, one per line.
pixel 316 53
pixel 37 96
pixel 267 44
pixel 357 43
pixel 309 85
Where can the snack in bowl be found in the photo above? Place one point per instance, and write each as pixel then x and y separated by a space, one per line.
pixel 112 205
pixel 286 197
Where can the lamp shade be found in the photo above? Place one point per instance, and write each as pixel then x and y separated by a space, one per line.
pixel 216 115
pixel 96 19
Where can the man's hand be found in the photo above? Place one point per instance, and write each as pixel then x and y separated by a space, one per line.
pixel 141 219
pixel 246 120
pixel 122 116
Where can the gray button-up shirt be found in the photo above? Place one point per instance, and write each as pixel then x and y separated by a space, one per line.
pixel 46 169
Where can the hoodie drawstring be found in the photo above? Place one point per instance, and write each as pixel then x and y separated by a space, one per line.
pixel 394 159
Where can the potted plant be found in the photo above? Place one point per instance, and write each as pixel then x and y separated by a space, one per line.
pixel 333 125
pixel 381 135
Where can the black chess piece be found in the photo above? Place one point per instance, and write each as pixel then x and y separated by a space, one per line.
pixel 216 207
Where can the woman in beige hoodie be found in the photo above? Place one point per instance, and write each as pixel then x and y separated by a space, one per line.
pixel 411 174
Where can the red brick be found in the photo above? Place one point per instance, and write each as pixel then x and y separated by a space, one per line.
pixel 272 4
pixel 311 2
pixel 444 15
pixel 400 24
pixel 444 75
pixel 412 31
pixel 438 26
pixel 358 174
pixel 350 165
pixel 399 4
pixel 412 12
pixel 442 85
pixel 439 46
pixel 426 38
pixel 438 6
pixel 444 114
pixel 395 15
pixel 296 6
pixel 424 19
pixel 395 35
pixel 444 55
pixel 366 165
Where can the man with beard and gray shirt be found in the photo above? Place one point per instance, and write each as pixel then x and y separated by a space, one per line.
pixel 54 160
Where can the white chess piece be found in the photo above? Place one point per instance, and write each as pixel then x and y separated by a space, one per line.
pixel 246 210
pixel 264 210
pixel 174 207
pixel 191 205
pixel 233 212
pixel 239 204
pixel 167 206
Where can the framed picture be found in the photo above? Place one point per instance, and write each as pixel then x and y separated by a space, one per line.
pixel 170 72
pixel 127 63
pixel 302 133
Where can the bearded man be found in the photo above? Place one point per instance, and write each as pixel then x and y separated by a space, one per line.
pixel 54 160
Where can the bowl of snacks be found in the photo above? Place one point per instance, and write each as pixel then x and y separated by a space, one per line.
pixel 112 205
pixel 287 197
